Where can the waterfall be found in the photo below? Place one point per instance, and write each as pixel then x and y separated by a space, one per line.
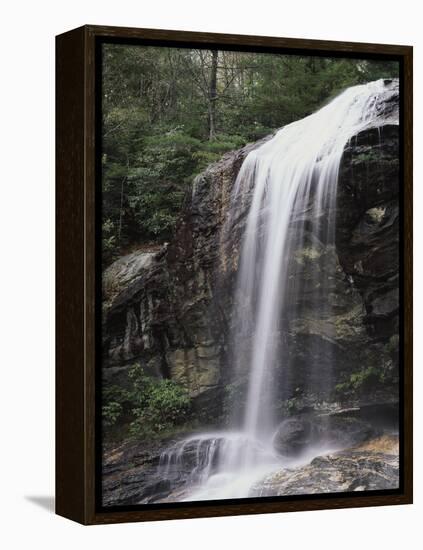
pixel 293 178
pixel 290 182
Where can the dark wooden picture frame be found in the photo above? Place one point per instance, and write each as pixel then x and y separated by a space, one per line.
pixel 77 253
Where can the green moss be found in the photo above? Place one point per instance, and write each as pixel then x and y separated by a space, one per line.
pixel 372 155
pixel 393 343
pixel 289 407
pixel 376 214
pixel 307 253
pixel 359 380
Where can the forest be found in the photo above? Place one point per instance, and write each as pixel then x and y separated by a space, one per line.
pixel 168 113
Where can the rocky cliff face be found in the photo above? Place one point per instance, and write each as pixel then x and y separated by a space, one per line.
pixel 171 309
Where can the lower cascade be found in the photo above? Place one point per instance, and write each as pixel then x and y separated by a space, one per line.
pixel 292 184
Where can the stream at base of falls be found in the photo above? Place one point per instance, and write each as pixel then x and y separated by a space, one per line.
pixel 196 460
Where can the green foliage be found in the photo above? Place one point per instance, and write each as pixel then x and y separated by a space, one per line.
pixel 393 344
pixel 360 380
pixel 223 143
pixel 158 404
pixel 108 239
pixel 111 413
pixel 288 407
pixel 157 104
pixel 150 405
pixel 115 400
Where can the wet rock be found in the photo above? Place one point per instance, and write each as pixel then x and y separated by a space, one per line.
pixel 130 473
pixel 370 467
pixel 339 429
pixel 293 436
pixel 354 326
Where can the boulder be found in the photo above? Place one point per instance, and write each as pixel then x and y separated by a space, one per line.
pixel 296 435
pixel 370 467
pixel 293 436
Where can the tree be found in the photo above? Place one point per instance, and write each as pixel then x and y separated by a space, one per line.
pixel 169 112
pixel 212 97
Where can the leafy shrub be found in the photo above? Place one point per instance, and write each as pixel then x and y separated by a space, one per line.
pixel 158 404
pixel 150 405
pixel 169 156
pixel 204 158
pixel 224 143
pixel 115 401
pixel 111 413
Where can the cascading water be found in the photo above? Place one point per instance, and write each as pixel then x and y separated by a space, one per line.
pixel 291 183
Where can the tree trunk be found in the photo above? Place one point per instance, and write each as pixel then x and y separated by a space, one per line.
pixel 213 95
